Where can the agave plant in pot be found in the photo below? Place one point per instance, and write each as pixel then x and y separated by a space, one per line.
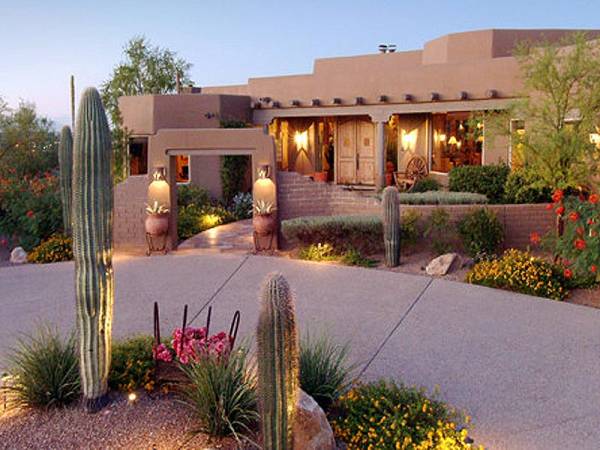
pixel 157 219
pixel 264 218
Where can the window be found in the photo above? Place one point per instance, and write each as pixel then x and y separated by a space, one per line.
pixel 138 156
pixel 182 175
pixel 457 141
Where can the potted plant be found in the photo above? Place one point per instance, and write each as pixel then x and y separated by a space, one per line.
pixel 264 219
pixel 157 220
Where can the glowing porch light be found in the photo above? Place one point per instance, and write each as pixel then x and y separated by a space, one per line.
pixel 301 140
pixel 409 139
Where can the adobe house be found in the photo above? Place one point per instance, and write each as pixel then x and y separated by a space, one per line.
pixel 343 122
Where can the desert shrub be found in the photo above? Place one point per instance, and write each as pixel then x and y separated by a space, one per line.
pixel 521 272
pixel 192 219
pixel 481 232
pixel 56 248
pixel 353 257
pixel 132 364
pixel 188 194
pixel 439 231
pixel 324 368
pixel 442 198
pixel 486 180
pixel 344 233
pixel 389 415
pixel 523 186
pixel 318 252
pixel 30 209
pixel 426 184
pixel 44 371
pixel 221 393
pixel 241 206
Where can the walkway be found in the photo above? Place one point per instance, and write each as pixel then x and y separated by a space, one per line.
pixel 527 369
pixel 235 236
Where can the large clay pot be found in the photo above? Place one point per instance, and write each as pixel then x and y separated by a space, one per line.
pixel 157 224
pixel 263 224
pixel 321 177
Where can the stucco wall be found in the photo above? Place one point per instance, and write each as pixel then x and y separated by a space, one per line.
pixel 206 172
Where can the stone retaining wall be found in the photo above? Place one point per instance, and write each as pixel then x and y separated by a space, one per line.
pixel 299 196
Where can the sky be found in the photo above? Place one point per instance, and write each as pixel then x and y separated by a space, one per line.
pixel 43 42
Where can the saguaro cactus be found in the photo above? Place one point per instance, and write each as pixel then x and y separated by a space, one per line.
pixel 92 246
pixel 65 162
pixel 277 356
pixel 72 101
pixel 391 226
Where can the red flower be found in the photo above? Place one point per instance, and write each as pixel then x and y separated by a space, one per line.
pixel 568 273
pixel 579 244
pixel 593 268
pixel 549 206
pixel 594 198
pixel 557 196
pixel 30 214
pixel 560 210
pixel 574 216
pixel 591 222
pixel 535 238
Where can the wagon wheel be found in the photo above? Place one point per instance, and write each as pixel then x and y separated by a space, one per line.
pixel 416 169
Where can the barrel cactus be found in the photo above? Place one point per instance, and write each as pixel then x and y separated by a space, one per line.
pixel 65 162
pixel 277 357
pixel 92 246
pixel 391 226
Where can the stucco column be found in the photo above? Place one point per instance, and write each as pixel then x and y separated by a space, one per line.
pixel 379 153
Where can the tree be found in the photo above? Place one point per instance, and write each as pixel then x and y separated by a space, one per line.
pixel 146 69
pixel 560 107
pixel 28 142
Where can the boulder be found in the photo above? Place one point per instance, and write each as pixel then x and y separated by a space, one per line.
pixel 312 430
pixel 18 256
pixel 441 265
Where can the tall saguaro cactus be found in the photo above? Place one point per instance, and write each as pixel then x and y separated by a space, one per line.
pixel 65 162
pixel 278 363
pixel 92 246
pixel 391 226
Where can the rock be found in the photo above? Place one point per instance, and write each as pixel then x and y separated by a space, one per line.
pixel 312 430
pixel 441 265
pixel 18 256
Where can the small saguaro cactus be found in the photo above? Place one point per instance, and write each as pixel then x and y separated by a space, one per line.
pixel 65 162
pixel 92 247
pixel 391 226
pixel 278 363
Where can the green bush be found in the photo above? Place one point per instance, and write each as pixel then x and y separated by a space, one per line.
pixel 523 186
pixel 442 198
pixel 241 206
pixel 56 248
pixel 481 232
pixel 520 272
pixel 317 252
pixel 486 180
pixel 385 415
pixel 345 233
pixel 30 209
pixel 44 371
pixel 353 257
pixel 439 231
pixel 192 219
pixel 222 395
pixel 188 194
pixel 426 184
pixel 324 368
pixel 132 364
pixel 233 175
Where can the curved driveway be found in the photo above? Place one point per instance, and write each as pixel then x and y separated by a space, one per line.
pixel 526 369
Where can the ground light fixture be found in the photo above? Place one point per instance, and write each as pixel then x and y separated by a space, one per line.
pixel 263 171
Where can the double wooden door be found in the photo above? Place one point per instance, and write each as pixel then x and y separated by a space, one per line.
pixel 355 150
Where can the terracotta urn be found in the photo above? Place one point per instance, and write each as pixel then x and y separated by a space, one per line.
pixel 263 224
pixel 320 177
pixel 157 224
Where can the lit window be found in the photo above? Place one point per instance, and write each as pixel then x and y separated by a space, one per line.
pixel 454 142
pixel 183 169
pixel 138 156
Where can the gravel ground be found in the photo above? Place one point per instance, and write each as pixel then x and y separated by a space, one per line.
pixel 157 422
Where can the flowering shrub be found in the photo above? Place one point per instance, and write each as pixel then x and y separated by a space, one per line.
pixel 518 271
pixel 579 245
pixel 387 415
pixel 30 209
pixel 191 344
pixel 132 366
pixel 54 249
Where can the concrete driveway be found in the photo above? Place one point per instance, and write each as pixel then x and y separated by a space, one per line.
pixel 526 369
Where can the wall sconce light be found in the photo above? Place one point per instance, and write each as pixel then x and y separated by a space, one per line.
pixel 452 140
pixel 301 140
pixel 442 137
pixel 263 171
pixel 409 139
pixel 159 174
